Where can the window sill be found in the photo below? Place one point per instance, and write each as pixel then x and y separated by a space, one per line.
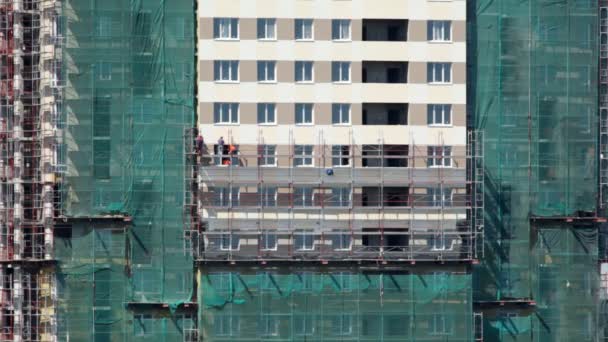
pixel 226 124
pixel 305 40
pixel 269 166
pixel 441 125
pixel 304 82
pixel 342 40
pixel 304 124
pixel 440 83
pixel 227 39
pixel 267 124
pixel 267 39
pixel 227 82
pixel 341 82
pixel 342 124
pixel 268 82
pixel 440 41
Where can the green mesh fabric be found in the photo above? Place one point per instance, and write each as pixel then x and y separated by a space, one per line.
pixel 344 306
pixel 129 69
pixel 533 92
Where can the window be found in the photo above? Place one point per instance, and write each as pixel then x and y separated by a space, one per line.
pixel 440 197
pixel 304 29
pixel 342 325
pixel 105 71
pixel 304 240
pixel 266 114
pixel 340 155
pixel 340 72
pixel 439 114
pixel 340 29
pixel 340 114
pixel 303 325
pixel 226 325
pixel 439 72
pixel 225 196
pixel 267 71
pixel 269 325
pixel 303 113
pixel 267 195
pixel 268 241
pixel 439 30
pixel 229 242
pixel 226 28
pixel 341 241
pixel 304 71
pixel 303 155
pixel 267 155
pixel 340 197
pixel 303 196
pixel 103 26
pixel 441 325
pixel 226 113
pixel 267 29
pixel 226 71
pixel 439 156
pixel 143 325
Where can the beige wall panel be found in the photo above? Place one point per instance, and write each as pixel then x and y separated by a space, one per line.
pixel 248 29
pixel 459 31
pixel 285 29
pixel 248 71
pixel 417 31
pixel 417 114
pixel 205 28
pixel 322 70
pixel 286 113
pixel 205 71
pixel 417 73
pixel 322 29
pixel 459 115
pixel 285 71
pixel 322 114
pixel 248 113
pixel 459 73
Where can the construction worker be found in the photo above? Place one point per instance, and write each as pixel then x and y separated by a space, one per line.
pixel 200 142
pixel 220 150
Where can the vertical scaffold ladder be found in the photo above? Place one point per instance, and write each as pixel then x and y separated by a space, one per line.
pixel 603 105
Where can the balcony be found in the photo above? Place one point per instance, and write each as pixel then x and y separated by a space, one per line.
pixel 385 30
pixel 385 113
pixel 384 72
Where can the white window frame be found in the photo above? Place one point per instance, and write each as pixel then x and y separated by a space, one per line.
pixel 225 196
pixel 439 31
pixel 303 107
pixel 440 197
pixel 264 240
pixel 336 154
pixel 306 327
pixel 231 239
pixel 339 236
pixel 105 71
pixel 218 29
pixel 265 70
pixel 443 322
pixel 266 194
pixel 268 31
pixel 443 111
pixel 265 156
pixel 306 195
pixel 302 23
pixel 233 118
pixel 268 109
pixel 439 73
pixel 437 156
pixel 339 110
pixel 306 160
pixel 303 66
pixel 338 30
pixel 341 70
pixel 304 235
pixel 219 68
pixel 342 196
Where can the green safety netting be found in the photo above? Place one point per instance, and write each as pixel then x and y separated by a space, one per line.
pixel 341 306
pixel 533 92
pixel 129 96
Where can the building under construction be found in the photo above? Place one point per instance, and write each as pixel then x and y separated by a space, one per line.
pixel 286 170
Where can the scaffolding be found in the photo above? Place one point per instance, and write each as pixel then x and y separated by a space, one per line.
pixel 355 202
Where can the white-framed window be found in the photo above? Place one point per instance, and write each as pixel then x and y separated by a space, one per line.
pixel 303 325
pixel 226 28
pixel 304 72
pixel 303 156
pixel 267 155
pixel 340 29
pixel 439 156
pixel 340 72
pixel 267 195
pixel 304 114
pixel 340 114
pixel 267 29
pixel 267 71
pixel 439 72
pixel 269 326
pixel 105 71
pixel 439 30
pixel 230 242
pixel 340 155
pixel 304 29
pixel 342 325
pixel 268 240
pixel 341 241
pixel 267 114
pixel 226 325
pixel 226 113
pixel 303 196
pixel 340 197
pixel 103 26
pixel 304 240
pixel 440 197
pixel 226 71
pixel 224 196
pixel 439 115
